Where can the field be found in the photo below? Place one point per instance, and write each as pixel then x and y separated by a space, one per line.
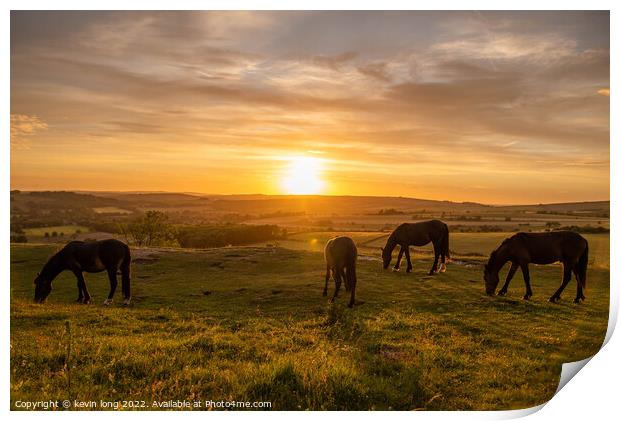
pixel 249 323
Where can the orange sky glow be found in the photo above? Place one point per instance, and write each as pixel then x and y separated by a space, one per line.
pixel 493 107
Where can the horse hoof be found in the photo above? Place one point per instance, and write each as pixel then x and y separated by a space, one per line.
pixel 554 299
pixel 503 293
pixel 395 269
pixel 526 297
pixel 350 305
pixel 577 300
pixel 409 270
pixel 107 302
pixel 127 301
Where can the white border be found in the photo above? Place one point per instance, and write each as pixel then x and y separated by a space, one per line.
pixel 591 394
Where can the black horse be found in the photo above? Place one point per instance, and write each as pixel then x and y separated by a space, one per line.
pixel 540 248
pixel 340 257
pixel 78 257
pixel 418 234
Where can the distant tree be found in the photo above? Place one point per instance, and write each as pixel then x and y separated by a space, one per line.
pixel 151 229
pixel 54 234
pixel 47 234
pixel 18 238
pixel 551 225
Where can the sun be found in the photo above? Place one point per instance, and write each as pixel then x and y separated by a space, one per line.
pixel 303 176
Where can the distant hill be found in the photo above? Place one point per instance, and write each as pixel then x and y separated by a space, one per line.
pixel 256 203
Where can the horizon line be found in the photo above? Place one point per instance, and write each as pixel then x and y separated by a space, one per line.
pixel 305 195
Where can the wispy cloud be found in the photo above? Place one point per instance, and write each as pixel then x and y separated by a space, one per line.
pixel 24 126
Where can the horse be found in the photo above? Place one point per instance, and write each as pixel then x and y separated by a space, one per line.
pixel 540 248
pixel 78 257
pixel 418 234
pixel 340 258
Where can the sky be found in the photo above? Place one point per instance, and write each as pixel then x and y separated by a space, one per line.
pixel 492 107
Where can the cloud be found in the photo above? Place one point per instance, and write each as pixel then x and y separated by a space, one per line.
pixel 377 71
pixel 335 62
pixel 604 92
pixel 23 126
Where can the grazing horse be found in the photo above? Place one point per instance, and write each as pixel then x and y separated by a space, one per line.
pixel 340 257
pixel 78 257
pixel 418 234
pixel 540 248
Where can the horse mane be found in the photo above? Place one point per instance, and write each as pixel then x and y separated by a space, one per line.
pixel 52 266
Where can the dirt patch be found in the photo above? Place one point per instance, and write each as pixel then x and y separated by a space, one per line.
pixel 466 263
pixel 145 260
pixel 362 257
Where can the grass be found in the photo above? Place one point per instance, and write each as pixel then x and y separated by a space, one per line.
pixel 249 323
pixel 64 229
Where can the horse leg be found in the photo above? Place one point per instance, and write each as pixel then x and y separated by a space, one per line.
pixel 526 278
pixel 326 281
pixel 511 273
pixel 86 296
pixel 80 281
pixel 436 250
pixel 352 299
pixel 565 280
pixel 113 283
pixel 396 267
pixel 338 279
pixel 442 265
pixel 408 257
pixel 580 296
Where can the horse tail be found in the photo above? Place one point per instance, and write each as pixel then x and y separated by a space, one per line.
pixel 446 242
pixel 126 275
pixel 582 267
pixel 351 277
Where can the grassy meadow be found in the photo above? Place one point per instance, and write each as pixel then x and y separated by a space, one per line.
pixel 249 323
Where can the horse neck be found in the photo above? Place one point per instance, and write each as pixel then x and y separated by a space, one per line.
pixel 53 267
pixel 500 258
pixel 391 243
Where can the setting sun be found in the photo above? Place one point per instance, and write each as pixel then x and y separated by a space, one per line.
pixel 303 176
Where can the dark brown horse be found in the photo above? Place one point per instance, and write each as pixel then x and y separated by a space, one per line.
pixel 540 248
pixel 340 257
pixel 418 234
pixel 78 257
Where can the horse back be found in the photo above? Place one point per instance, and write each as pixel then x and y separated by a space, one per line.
pixel 550 247
pixel 340 252
pixel 420 233
pixel 97 256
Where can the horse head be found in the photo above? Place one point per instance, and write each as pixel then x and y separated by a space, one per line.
pixel 43 287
